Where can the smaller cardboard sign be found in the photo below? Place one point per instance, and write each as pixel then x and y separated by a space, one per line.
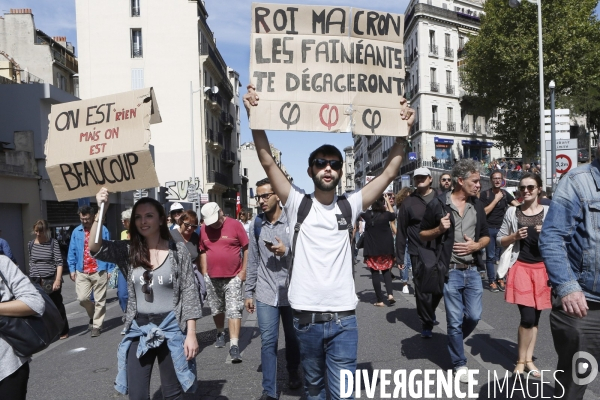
pixel 103 141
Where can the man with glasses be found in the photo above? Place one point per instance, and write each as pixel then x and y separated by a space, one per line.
pixel 266 282
pixel 410 215
pixel 445 183
pixel 224 269
pixel 496 201
pixel 321 285
pixel 88 273
pixel 456 224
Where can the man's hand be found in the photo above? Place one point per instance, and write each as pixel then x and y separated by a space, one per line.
pixel 56 284
pixel 102 197
pixel 242 275
pixel 278 249
pixel 575 304
pixel 401 267
pixel 498 196
pixel 250 98
pixel 249 303
pixel 73 276
pixel 445 223
pixel 468 247
pixel 406 113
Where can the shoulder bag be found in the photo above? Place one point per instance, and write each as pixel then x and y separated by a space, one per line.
pixel 31 334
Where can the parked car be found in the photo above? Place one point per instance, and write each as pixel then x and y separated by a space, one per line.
pixel 583 155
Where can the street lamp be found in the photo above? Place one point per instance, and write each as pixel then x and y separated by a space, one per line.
pixel 515 4
pixel 205 89
pixel 552 134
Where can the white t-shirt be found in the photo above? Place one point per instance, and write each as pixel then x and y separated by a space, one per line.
pixel 322 275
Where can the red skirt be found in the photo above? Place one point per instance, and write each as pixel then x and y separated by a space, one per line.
pixel 380 263
pixel 527 285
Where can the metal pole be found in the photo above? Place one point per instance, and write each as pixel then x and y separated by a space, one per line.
pixel 553 135
pixel 542 120
pixel 192 138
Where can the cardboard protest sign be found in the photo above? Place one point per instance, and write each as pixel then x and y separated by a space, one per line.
pixel 322 68
pixel 102 142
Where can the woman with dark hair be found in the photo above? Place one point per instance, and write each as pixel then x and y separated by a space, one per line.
pixel 527 284
pixel 46 268
pixel 163 303
pixel 379 247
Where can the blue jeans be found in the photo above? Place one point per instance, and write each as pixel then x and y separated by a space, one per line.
pixel 462 298
pixel 122 293
pixel 268 323
pixel 492 254
pixel 407 265
pixel 327 347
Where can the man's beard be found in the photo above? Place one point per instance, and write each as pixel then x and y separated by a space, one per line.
pixel 323 186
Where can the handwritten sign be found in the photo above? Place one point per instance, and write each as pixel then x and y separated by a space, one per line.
pixel 332 69
pixel 102 142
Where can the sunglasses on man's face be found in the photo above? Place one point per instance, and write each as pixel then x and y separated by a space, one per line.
pixel 529 188
pixel 146 287
pixel 445 179
pixel 322 163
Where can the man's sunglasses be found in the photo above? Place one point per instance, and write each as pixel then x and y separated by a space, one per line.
pixel 146 287
pixel 445 179
pixel 190 225
pixel 528 187
pixel 322 163
pixel 264 196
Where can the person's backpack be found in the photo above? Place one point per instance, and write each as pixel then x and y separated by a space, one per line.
pixel 303 210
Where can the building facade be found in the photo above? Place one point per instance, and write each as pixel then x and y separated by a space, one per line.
pixel 198 96
pixel 28 55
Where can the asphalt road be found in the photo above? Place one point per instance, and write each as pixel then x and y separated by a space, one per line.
pixel 82 367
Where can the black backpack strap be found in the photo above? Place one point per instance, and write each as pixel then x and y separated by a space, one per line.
pixel 303 210
pixel 346 209
pixel 258 220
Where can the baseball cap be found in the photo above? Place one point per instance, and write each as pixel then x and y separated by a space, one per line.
pixel 210 213
pixel 175 207
pixel 422 172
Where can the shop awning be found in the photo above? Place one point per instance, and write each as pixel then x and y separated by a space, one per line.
pixel 477 143
pixel 442 140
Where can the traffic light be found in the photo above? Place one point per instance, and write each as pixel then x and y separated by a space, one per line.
pixel 162 195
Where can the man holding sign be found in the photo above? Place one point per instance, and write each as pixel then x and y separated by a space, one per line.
pixel 321 285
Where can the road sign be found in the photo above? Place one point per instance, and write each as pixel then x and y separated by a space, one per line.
pixel 192 194
pixel 203 198
pixel 412 156
pixel 563 164
pixel 565 161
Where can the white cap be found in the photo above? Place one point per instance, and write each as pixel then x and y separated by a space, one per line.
pixel 210 213
pixel 422 172
pixel 175 207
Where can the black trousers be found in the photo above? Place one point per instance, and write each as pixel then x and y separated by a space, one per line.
pixel 57 299
pixel 426 302
pixel 14 386
pixel 571 335
pixel 139 371
pixel 387 278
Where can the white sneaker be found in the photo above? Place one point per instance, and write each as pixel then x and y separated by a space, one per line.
pixel 405 289
pixel 462 372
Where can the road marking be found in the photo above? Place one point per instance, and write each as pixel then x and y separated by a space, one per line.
pixel 77 350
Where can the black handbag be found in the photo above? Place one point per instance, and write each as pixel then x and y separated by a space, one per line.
pixel 431 271
pixel 31 334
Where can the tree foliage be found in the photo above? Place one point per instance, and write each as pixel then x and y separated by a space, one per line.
pixel 502 73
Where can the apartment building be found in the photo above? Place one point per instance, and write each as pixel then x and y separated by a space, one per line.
pixel 169 46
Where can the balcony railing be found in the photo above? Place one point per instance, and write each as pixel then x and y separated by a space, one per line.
pixel 437 125
pixel 217 177
pixel 435 87
pixel 374 144
pixel 489 129
pixel 135 11
pixel 477 128
pixel 215 137
pixel 451 126
pixel 415 128
pixel 228 156
pixel 448 53
pixel 464 127
pixel 461 53
pixel 450 89
pixel 433 50
pixel 358 140
pixel 20 76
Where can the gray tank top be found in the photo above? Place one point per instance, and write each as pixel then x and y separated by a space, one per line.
pixel 162 288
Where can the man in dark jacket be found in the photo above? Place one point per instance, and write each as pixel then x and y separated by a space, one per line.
pixel 409 225
pixel 456 221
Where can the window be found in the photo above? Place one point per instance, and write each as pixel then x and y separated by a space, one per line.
pixel 434 113
pixel 430 2
pixel 432 38
pixel 135 8
pixel 137 78
pixel 461 42
pixel 445 6
pixel 432 75
pixel 136 43
pixel 448 78
pixel 450 113
pixel 447 40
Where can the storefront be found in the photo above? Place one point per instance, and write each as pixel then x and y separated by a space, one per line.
pixel 443 149
pixel 477 150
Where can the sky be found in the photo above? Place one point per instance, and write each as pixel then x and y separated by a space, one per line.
pixel 230 22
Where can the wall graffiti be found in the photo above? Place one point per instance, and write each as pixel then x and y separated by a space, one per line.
pixel 178 190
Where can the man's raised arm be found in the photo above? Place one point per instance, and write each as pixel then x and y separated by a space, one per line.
pixel 375 188
pixel 279 182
